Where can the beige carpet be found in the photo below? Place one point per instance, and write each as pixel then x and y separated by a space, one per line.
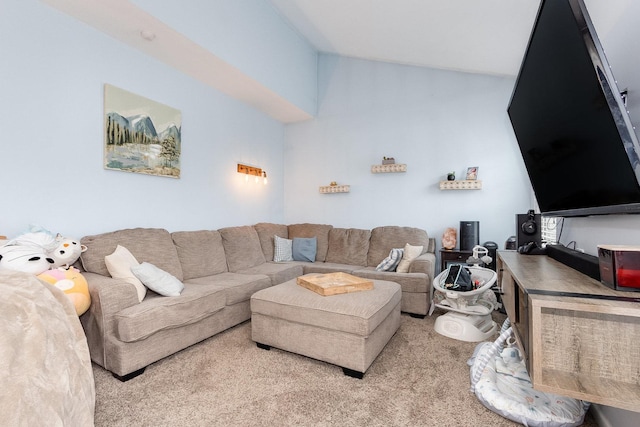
pixel 420 379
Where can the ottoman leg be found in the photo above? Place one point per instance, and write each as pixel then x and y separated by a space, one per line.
pixel 351 373
pixel 263 346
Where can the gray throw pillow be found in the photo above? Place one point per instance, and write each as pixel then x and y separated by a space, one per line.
pixel 391 262
pixel 282 250
pixel 304 249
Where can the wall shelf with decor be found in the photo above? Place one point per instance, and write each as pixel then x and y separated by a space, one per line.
pixel 461 185
pixel 330 189
pixel 389 168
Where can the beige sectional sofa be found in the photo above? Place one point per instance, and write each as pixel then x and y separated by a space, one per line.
pixel 220 270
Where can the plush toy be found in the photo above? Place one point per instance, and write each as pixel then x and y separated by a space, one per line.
pixel 72 283
pixel 67 252
pixel 38 250
pixel 29 259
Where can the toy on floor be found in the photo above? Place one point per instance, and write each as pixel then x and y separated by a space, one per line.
pixel 500 381
pixel 72 283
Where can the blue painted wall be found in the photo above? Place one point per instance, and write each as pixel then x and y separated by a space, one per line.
pixel 52 74
pixel 432 120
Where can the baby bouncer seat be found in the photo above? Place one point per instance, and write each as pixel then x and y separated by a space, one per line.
pixel 468 316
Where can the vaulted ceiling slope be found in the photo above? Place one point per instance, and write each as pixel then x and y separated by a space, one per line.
pixel 488 37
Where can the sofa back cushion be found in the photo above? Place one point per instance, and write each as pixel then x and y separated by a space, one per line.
pixel 266 231
pixel 348 246
pixel 319 231
pixel 201 253
pixel 152 245
pixel 383 239
pixel 241 247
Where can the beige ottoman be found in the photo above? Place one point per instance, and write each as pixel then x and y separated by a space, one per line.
pixel 348 330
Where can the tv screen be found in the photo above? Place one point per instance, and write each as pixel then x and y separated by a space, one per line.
pixel 573 130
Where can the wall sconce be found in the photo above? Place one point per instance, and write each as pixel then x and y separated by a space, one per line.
pixel 253 171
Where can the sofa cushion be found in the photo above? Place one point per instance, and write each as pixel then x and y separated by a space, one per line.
pixel 157 313
pixel 348 246
pixel 242 247
pixel 266 232
pixel 409 282
pixel 326 267
pixel 320 231
pixel 152 245
pixel 277 272
pixel 119 264
pixel 200 252
pixel 282 249
pixel 158 280
pixel 383 239
pixel 237 287
pixel 304 249
pixel 409 254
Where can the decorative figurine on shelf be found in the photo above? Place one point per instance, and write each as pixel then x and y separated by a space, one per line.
pixel 451 176
pixel 388 161
pixel 333 184
pixel 449 238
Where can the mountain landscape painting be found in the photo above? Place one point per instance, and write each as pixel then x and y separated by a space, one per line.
pixel 141 135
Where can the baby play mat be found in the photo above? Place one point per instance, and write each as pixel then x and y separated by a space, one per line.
pixel 500 380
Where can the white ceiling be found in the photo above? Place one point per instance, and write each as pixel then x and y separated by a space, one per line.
pixel 487 36
pixel 477 36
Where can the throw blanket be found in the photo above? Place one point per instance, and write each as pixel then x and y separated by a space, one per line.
pixel 45 369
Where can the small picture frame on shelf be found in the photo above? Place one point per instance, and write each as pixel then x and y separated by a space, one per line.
pixel 472 173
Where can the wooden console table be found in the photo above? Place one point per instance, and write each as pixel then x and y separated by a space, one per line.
pixel 580 338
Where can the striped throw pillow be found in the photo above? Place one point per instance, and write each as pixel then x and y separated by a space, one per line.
pixel 391 262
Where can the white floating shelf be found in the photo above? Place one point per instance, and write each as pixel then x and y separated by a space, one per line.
pixel 329 189
pixel 461 185
pixel 390 168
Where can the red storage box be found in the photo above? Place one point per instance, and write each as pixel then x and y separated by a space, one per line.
pixel 620 267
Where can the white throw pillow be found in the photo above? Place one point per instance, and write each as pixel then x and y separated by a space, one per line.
pixel 119 264
pixel 410 253
pixel 158 280
pixel 282 250
pixel 391 262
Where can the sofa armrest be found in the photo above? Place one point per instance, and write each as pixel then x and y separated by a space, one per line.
pixel 111 294
pixel 425 263
pixel 108 297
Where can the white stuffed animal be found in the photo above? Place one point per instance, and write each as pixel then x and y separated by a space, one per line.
pixel 39 250
pixel 29 259
pixel 67 252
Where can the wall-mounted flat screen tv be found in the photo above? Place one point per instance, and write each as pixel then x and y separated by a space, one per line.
pixel 570 121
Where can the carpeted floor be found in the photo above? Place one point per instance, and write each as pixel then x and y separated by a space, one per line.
pixel 420 379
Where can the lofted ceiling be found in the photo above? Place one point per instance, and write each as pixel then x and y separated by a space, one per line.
pixel 475 36
pixel 488 36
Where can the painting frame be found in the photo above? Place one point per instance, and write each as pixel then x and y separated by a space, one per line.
pixel 141 135
pixel 472 173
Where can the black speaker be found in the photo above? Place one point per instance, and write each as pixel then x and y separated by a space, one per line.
pixel 584 263
pixel 469 235
pixel 528 228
